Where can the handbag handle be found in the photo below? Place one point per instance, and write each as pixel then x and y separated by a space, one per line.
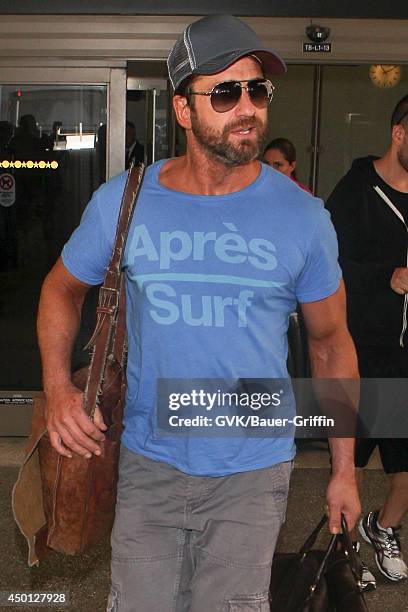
pixel 110 322
pixel 309 543
pixel 322 567
pixel 350 551
pixel 344 538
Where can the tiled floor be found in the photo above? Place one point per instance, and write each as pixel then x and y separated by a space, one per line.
pixel 12 451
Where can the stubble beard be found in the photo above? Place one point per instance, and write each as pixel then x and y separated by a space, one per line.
pixel 402 155
pixel 217 145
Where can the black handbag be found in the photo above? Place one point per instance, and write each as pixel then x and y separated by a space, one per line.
pixel 318 580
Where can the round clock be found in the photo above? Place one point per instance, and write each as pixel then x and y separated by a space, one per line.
pixel 385 75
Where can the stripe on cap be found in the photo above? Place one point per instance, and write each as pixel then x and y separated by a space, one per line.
pixel 189 47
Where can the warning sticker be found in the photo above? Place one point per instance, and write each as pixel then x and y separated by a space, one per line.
pixel 7 190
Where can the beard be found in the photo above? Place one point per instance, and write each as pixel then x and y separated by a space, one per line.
pixel 402 154
pixel 216 142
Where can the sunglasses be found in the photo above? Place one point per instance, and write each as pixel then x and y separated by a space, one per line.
pixel 225 96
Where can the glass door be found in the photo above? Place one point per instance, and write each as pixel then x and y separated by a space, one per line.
pixel 147 119
pixel 56 148
pixel 53 156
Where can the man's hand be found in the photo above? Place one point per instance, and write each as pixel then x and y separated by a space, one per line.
pixel 59 316
pixel 342 497
pixel 68 425
pixel 399 281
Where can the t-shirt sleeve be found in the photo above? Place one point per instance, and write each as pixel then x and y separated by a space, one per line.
pixel 87 253
pixel 321 273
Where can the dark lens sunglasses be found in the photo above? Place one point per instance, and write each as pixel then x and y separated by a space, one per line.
pixel 224 96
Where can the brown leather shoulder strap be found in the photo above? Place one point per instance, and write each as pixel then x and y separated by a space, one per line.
pixel 109 299
pixel 110 324
pixel 133 183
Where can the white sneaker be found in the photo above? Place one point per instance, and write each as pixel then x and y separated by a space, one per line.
pixel 387 546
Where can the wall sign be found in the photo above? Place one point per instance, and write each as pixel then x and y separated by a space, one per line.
pixel 7 190
pixel 16 400
pixel 311 47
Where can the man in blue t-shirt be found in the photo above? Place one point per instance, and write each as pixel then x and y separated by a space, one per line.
pixel 220 250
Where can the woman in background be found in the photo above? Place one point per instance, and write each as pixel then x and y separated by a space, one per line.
pixel 280 153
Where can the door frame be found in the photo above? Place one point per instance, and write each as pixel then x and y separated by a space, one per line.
pixel 150 86
pixel 113 78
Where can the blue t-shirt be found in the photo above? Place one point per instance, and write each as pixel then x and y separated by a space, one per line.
pixel 210 284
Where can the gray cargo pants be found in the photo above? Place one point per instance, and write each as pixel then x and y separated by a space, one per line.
pixel 194 544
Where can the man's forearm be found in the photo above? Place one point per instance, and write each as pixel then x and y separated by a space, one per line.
pixel 342 452
pixel 59 315
pixel 334 362
pixel 335 358
pixel 59 318
pixel 335 375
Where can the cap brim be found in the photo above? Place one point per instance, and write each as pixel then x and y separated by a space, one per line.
pixel 270 61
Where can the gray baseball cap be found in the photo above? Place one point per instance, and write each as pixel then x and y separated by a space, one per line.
pixel 213 43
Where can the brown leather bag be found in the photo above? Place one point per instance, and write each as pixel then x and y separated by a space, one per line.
pixel 69 504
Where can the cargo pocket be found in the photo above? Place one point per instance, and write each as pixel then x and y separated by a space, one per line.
pixel 249 603
pixel 113 600
pixel 280 493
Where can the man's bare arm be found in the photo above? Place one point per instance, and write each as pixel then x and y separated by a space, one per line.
pixel 59 317
pixel 333 355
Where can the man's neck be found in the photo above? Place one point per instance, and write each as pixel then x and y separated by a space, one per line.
pixel 198 174
pixel 391 171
